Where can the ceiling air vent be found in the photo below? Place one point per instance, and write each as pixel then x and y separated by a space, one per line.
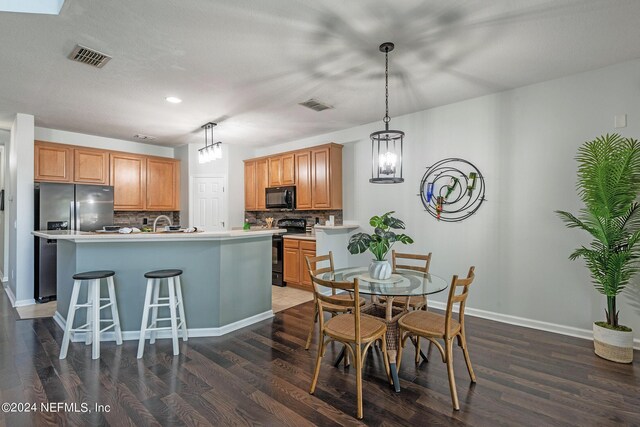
pixel 144 137
pixel 315 105
pixel 89 56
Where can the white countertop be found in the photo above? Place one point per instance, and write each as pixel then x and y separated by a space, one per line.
pixel 91 237
pixel 337 227
pixel 307 236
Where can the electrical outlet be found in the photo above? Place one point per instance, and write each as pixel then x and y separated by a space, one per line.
pixel 620 121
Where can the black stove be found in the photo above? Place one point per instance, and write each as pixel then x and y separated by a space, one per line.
pixel 292 226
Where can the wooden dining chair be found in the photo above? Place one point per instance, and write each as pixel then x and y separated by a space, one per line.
pixel 433 326
pixel 312 267
pixel 417 302
pixel 355 330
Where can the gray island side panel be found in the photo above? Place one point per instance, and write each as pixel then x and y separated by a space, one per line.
pixel 245 278
pixel 199 260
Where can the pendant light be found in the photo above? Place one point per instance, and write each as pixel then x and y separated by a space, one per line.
pixel 386 145
pixel 211 150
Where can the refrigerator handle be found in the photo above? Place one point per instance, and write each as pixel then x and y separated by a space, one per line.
pixel 72 215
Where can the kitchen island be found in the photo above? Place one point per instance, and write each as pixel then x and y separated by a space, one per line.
pixel 226 283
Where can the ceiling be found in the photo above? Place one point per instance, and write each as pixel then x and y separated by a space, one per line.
pixel 247 64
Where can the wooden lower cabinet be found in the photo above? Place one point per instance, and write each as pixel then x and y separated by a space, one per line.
pixel 295 266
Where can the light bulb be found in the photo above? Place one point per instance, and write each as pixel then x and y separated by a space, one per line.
pixel 200 157
pixel 217 151
pixel 387 163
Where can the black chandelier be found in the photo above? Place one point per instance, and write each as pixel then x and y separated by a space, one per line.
pixel 386 145
pixel 211 150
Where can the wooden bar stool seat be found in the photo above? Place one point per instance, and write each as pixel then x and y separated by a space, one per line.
pixel 153 301
pixel 92 328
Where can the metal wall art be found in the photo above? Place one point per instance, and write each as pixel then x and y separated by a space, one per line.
pixel 452 190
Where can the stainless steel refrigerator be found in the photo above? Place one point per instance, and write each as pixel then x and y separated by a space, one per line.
pixel 65 207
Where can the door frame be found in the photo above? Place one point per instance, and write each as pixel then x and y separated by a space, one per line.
pixel 225 197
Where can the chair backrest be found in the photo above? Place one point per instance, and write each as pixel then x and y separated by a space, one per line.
pixel 349 303
pixel 312 265
pixel 460 298
pixel 422 267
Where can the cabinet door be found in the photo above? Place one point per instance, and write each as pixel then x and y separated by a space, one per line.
pixel 250 200
pixel 305 279
pixel 262 182
pixel 91 166
pixel 52 162
pixel 288 169
pixel 303 180
pixel 162 184
pixel 128 178
pixel 275 171
pixel 320 180
pixel 291 259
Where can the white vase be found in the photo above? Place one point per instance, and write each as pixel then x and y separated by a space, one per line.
pixel 616 346
pixel 380 270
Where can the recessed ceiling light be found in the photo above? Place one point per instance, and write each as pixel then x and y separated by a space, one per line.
pixel 173 100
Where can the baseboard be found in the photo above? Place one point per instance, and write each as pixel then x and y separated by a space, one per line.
pixel 12 297
pixel 571 331
pixel 193 332
pixel 23 302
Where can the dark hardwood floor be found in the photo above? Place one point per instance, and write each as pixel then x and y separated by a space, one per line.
pixel 260 375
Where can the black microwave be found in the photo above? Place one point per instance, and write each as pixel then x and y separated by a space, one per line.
pixel 281 198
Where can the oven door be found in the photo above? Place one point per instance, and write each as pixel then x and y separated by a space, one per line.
pixel 277 260
pixel 280 198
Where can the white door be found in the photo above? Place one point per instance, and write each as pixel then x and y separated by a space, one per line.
pixel 208 203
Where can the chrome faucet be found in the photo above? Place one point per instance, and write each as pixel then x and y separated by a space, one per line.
pixel 155 221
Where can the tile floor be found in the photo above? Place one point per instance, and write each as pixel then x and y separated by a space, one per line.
pixel 37 310
pixel 287 297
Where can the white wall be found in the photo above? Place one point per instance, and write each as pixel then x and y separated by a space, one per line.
pixel 5 136
pixel 524 142
pixel 20 207
pixel 84 140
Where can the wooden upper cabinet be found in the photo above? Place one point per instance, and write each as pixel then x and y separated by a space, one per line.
pixel 288 169
pixel 275 171
pixel 52 162
pixel 262 182
pixel 163 184
pixel 128 178
pixel 303 182
pixel 320 183
pixel 250 186
pixel 316 172
pixel 91 166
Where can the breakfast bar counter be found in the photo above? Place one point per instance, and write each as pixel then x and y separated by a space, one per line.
pixel 226 282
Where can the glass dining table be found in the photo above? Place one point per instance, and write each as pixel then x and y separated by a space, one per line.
pixel 403 283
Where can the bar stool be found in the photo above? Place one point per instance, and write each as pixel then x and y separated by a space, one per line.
pixel 154 281
pixel 92 327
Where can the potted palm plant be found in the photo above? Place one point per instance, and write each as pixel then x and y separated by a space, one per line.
pixel 379 243
pixel 608 184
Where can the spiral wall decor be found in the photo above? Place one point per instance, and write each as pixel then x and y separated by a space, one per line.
pixel 452 190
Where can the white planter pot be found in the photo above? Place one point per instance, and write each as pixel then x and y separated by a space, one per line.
pixel 616 346
pixel 380 270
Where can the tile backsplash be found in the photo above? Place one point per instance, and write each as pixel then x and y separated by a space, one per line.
pixel 258 218
pixel 136 218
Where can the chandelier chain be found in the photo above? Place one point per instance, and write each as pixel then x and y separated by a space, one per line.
pixel 386 88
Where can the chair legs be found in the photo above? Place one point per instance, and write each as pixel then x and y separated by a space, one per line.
pixel 452 379
pixel 447 358
pixel 313 326
pixel 463 343
pixel 316 372
pixel 358 362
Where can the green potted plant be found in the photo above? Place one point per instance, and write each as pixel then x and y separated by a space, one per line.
pixel 379 243
pixel 608 184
